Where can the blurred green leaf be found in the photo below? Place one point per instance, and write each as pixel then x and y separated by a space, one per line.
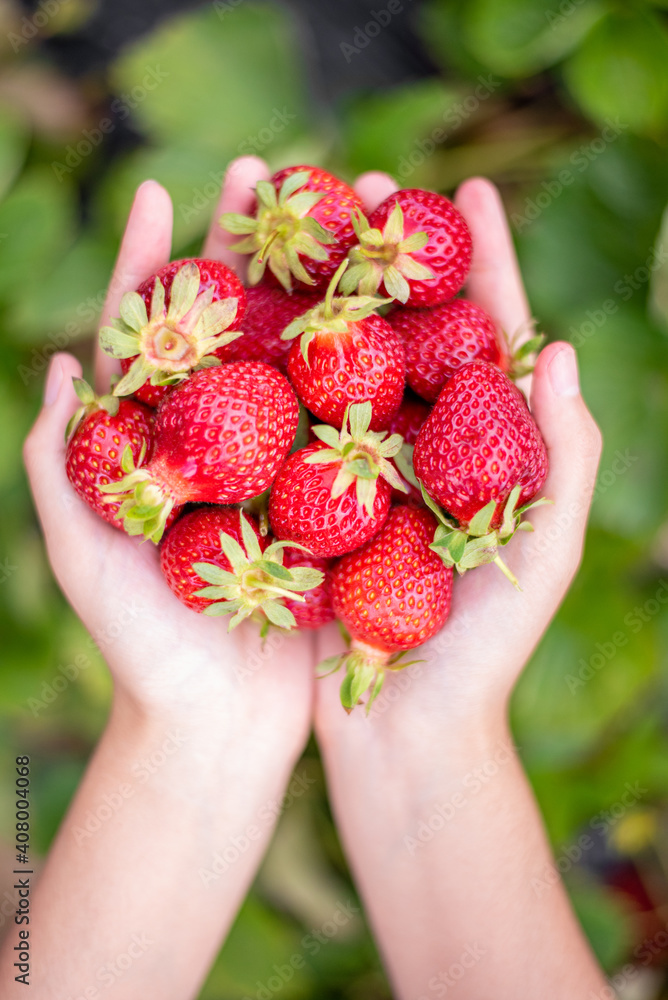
pixel 13 145
pixel 224 82
pixel 604 919
pixel 36 222
pixel 621 71
pixel 70 297
pixel 519 37
pixel 397 130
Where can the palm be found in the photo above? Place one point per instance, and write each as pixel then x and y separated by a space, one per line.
pixel 159 651
pixel 472 664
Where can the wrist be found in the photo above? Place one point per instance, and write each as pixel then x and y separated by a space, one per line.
pixel 211 730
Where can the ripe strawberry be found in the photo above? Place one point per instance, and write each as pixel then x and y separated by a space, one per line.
pixel 98 433
pixel 346 354
pixel 302 227
pixel 407 422
pixel 481 456
pixel 222 547
pixel 392 594
pixel 173 324
pixel 220 437
pixel 317 607
pixel 334 495
pixel 268 312
pixel 196 538
pixel 440 340
pixel 415 247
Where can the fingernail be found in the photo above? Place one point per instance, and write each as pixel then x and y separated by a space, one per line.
pixel 563 372
pixel 54 380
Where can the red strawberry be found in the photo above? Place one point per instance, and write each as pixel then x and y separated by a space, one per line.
pixel 334 495
pixel 196 538
pixel 98 433
pixel 409 418
pixel 440 340
pixel 317 607
pixel 480 455
pixel 346 354
pixel 392 595
pixel 302 227
pixel 268 312
pixel 407 422
pixel 415 247
pixel 220 437
pixel 173 324
pixel 246 576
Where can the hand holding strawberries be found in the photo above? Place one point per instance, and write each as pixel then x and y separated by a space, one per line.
pixel 222 436
pixel 165 659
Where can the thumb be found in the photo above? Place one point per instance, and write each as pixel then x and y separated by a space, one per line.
pixel 45 448
pixel 573 443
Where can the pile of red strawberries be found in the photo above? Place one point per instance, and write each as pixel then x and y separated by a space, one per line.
pixel 266 438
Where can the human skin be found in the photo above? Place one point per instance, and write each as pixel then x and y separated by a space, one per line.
pixel 227 726
pixel 437 818
pixel 228 735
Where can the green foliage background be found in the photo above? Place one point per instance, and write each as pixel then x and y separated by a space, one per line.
pixel 564 103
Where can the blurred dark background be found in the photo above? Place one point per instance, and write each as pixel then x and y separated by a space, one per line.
pixel 564 104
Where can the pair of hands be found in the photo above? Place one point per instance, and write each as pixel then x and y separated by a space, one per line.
pixel 169 662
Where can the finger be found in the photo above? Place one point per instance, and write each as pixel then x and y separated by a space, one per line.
pixel 237 195
pixel 494 281
pixel 573 443
pixel 374 187
pixel 145 247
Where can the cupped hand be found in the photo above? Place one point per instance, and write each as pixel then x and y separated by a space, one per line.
pixel 468 670
pixel 164 657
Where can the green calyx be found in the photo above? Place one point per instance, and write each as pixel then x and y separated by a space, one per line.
pixel 365 669
pixel 332 315
pixel 171 342
pixel 144 506
pixel 521 360
pixel 281 232
pixel 479 544
pixel 384 258
pixel 89 404
pixel 258 582
pixel 363 455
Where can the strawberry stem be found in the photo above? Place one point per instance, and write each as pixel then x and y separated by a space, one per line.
pixel 331 289
pixel 263 252
pixel 507 572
